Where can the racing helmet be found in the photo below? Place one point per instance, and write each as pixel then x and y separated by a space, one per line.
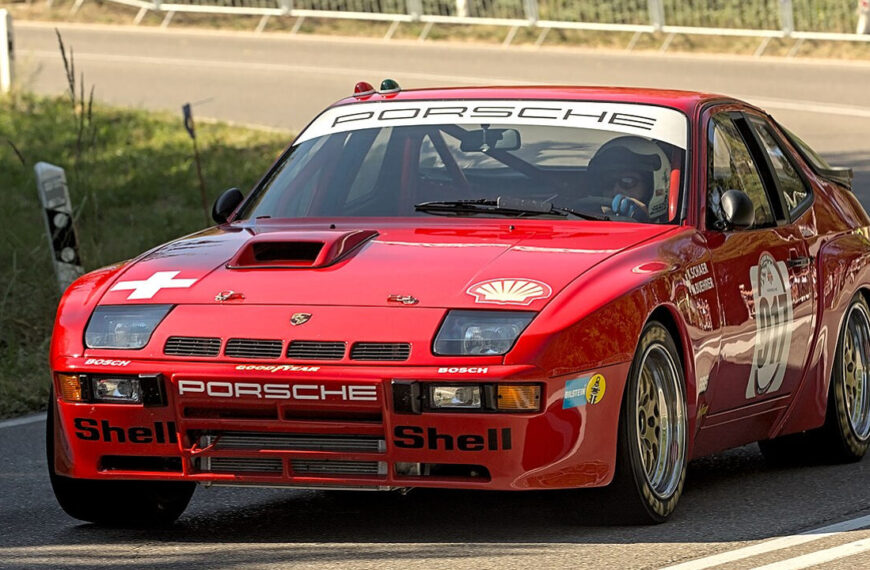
pixel 633 153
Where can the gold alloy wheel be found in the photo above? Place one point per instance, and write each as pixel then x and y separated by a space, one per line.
pixel 661 419
pixel 856 371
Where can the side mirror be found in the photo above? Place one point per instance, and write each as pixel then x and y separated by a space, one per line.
pixel 738 209
pixel 226 204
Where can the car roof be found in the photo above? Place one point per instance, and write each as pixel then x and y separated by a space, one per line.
pixel 686 101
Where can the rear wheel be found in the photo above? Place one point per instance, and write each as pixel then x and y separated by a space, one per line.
pixel 651 449
pixel 123 503
pixel 846 433
pixel 845 436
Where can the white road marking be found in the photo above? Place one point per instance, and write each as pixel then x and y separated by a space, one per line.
pixel 820 557
pixel 773 545
pixel 22 420
pixel 356 72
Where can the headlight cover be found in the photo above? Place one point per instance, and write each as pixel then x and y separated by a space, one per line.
pixel 124 326
pixel 480 333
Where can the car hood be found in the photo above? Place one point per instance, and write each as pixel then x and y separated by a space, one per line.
pixel 458 263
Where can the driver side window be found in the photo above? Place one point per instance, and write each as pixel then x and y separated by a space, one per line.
pixel 730 167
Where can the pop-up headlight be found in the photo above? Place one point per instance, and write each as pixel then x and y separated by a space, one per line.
pixel 480 333
pixel 123 326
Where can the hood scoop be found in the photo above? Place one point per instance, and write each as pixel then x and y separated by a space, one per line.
pixel 298 249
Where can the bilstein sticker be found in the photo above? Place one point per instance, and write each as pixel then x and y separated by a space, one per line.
pixel 587 389
pixel 771 292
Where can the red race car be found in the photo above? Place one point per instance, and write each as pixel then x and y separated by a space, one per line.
pixel 489 288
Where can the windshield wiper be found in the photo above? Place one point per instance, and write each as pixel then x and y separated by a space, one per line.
pixel 502 206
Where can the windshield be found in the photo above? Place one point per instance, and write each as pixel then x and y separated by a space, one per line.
pixel 482 158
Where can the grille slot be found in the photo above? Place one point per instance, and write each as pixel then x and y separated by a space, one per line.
pixel 301 442
pixel 242 464
pixel 316 350
pixel 327 467
pixel 380 351
pixel 253 348
pixel 192 346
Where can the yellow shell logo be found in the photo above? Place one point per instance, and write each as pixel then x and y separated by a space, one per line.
pixel 517 291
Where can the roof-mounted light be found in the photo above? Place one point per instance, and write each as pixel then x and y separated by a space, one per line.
pixel 363 89
pixel 389 86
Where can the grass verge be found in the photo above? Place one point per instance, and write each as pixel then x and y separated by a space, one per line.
pixel 134 187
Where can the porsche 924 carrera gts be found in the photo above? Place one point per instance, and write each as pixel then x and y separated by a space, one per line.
pixel 487 288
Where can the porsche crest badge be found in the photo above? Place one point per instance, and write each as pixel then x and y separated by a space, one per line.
pixel 300 318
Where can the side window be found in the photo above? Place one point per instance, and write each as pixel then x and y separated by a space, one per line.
pixel 730 167
pixel 792 185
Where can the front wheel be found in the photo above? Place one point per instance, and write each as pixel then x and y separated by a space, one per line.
pixel 651 449
pixel 122 503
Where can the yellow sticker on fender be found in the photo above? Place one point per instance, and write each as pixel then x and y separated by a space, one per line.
pixel 595 389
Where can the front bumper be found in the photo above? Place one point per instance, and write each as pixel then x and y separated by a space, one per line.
pixel 335 427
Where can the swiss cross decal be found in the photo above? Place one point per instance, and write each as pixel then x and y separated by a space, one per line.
pixel 147 288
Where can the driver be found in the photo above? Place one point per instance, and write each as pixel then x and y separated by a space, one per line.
pixel 626 176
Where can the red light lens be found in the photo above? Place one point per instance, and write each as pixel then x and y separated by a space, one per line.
pixel 362 89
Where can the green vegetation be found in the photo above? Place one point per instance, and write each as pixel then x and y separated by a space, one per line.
pixel 133 185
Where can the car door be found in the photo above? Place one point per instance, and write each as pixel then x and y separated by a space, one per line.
pixel 765 300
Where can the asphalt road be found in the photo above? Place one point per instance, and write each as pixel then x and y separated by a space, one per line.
pixel 731 501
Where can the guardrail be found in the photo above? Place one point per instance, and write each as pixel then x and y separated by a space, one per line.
pixel 800 20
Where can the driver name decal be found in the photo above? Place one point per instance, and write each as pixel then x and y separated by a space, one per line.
pixel 771 292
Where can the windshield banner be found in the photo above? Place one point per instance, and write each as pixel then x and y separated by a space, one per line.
pixel 660 123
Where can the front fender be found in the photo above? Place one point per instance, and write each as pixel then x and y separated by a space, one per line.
pixel 75 308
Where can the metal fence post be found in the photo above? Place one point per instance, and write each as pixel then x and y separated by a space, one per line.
pixel 863 17
pixel 786 17
pixel 461 8
pixel 415 9
pixel 530 8
pixel 7 51
pixel 656 14
pixel 286 6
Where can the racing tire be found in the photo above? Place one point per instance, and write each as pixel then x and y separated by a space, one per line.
pixel 653 433
pixel 845 435
pixel 118 503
